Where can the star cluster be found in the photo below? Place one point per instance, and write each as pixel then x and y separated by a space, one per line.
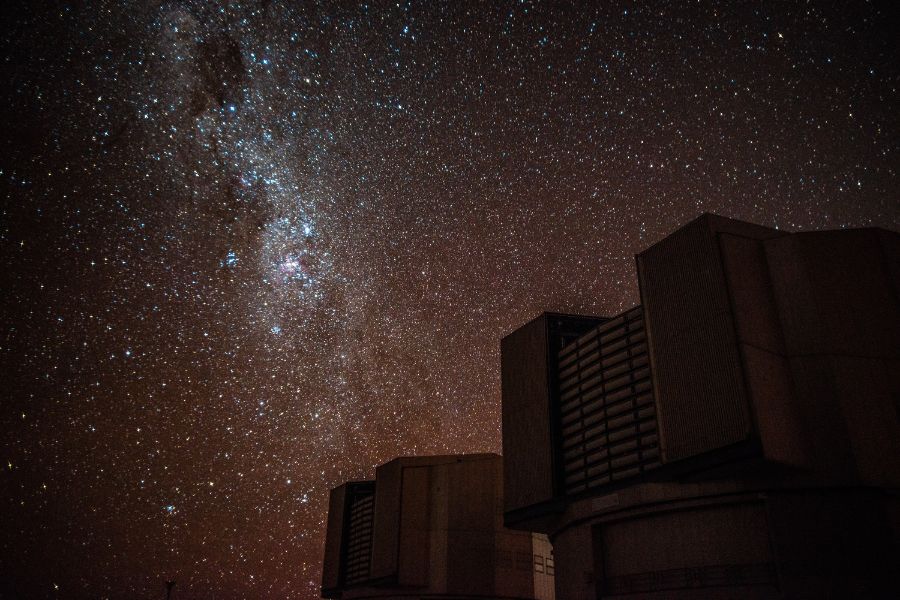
pixel 252 250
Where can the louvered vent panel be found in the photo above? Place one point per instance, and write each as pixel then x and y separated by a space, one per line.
pixel 606 411
pixel 358 548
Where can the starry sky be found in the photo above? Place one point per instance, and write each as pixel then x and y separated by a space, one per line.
pixel 251 250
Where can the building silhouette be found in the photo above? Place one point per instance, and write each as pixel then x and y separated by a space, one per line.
pixel 431 527
pixel 737 434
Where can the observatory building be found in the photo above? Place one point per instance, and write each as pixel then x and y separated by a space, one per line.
pixel 432 527
pixel 737 434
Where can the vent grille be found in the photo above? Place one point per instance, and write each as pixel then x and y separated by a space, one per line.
pixel 607 416
pixel 358 544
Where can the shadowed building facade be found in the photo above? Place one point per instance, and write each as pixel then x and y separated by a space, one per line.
pixel 431 527
pixel 735 435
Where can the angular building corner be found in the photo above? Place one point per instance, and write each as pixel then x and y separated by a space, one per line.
pixel 432 527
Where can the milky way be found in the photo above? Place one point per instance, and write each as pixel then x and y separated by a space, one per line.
pixel 252 250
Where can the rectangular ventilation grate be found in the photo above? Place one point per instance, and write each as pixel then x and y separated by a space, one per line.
pixel 605 407
pixel 358 541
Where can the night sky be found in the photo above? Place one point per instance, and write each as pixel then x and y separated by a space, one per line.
pixel 250 250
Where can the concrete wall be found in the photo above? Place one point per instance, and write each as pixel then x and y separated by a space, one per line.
pixel 726 539
pixel 574 563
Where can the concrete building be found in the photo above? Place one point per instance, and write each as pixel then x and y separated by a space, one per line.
pixel 737 435
pixel 431 527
